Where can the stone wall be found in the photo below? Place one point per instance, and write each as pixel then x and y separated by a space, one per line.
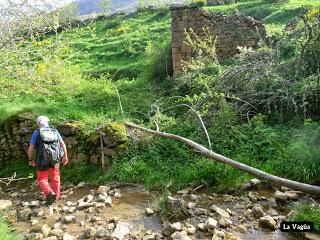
pixel 16 131
pixel 230 31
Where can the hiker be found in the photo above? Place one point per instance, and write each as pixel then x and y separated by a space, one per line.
pixel 50 150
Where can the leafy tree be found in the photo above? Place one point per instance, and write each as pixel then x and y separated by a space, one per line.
pixel 105 6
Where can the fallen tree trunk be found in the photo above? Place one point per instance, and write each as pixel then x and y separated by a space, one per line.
pixel 307 188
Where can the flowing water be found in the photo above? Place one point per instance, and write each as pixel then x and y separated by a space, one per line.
pixel 131 208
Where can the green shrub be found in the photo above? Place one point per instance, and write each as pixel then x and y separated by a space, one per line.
pixel 159 66
pixel 199 3
pixel 302 160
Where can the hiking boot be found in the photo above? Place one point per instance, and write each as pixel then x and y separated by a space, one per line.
pixel 51 198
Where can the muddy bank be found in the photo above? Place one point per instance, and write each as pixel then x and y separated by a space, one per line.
pixel 130 212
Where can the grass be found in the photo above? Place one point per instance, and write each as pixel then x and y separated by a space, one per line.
pixel 118 44
pixel 308 213
pixel 5 231
pixel 275 16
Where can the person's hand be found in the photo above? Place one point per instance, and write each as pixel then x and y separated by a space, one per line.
pixel 32 163
pixel 65 160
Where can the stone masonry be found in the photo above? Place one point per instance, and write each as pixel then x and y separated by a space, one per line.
pixel 230 31
pixel 106 141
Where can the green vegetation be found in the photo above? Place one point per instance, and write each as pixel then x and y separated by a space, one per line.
pixel 310 214
pixel 265 115
pixel 274 13
pixel 5 231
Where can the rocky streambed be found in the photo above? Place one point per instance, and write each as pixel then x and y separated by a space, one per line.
pixel 129 212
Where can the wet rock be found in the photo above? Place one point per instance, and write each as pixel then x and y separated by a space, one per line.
pixel 105 199
pixel 190 229
pixel 167 230
pixel 122 229
pixel 311 236
pixel 24 214
pixel 88 198
pixel 229 211
pixel 14 195
pixel 267 222
pixel 95 219
pixel 201 211
pixel 220 233
pixel 149 237
pixel 11 216
pixel 255 182
pixel 101 232
pixel 253 196
pixel 201 226
pixel 191 205
pixel 272 212
pixel 103 189
pixel 230 236
pixel 241 229
pixel 258 212
pixel 33 236
pixel 176 226
pixel 35 203
pixel 69 219
pixel 280 196
pixel 4 204
pixel 149 211
pixel 90 232
pixel 40 213
pixel 180 236
pixel 225 222
pixel 45 230
pixel 70 204
pixel 26 204
pixel 219 213
pixel 227 198
pixel 56 232
pixel 57 225
pixel 110 226
pixel 84 205
pixel 51 238
pixel 80 185
pixel 210 223
pixel 194 197
pixel 292 195
pixel 67 236
pixel 175 203
pixel 184 191
pixel 117 195
pixel 34 222
pixel 100 205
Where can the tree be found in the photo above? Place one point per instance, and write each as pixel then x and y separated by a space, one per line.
pixel 105 6
pixel 29 41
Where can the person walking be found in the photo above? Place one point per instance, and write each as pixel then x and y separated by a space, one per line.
pixel 50 151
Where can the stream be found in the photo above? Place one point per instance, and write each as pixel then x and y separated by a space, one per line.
pixel 120 212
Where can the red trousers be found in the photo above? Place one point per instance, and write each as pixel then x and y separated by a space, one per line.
pixel 43 176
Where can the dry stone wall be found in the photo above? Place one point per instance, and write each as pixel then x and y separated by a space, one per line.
pixel 106 141
pixel 230 31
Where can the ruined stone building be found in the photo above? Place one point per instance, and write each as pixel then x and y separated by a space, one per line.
pixel 231 31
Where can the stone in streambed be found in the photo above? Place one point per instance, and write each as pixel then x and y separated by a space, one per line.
pixel 267 222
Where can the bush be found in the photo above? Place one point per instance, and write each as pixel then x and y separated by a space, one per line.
pixel 302 162
pixel 199 3
pixel 159 62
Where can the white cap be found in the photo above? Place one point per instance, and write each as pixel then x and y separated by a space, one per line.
pixel 43 121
